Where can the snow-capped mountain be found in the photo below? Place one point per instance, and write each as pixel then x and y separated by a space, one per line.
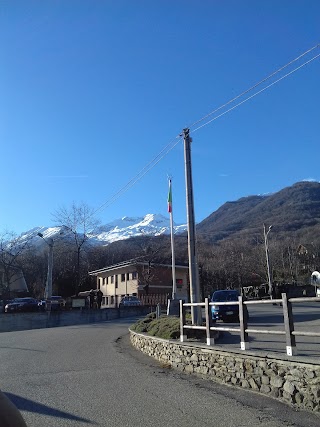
pixel 120 229
pixel 126 227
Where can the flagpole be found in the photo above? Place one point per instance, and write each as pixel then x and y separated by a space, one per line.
pixel 174 284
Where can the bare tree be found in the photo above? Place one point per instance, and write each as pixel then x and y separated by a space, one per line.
pixel 77 221
pixel 12 248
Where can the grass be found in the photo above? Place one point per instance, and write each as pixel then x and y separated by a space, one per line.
pixel 167 327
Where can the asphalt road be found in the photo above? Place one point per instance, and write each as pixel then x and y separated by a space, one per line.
pixel 90 375
pixel 306 318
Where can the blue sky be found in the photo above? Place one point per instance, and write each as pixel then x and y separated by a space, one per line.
pixel 92 91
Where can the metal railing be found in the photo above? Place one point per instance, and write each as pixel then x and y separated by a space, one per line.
pixel 210 326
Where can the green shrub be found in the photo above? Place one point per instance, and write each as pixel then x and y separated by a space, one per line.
pixel 167 327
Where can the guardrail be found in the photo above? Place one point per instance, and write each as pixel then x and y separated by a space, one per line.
pixel 289 332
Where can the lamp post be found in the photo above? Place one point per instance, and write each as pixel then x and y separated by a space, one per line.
pixel 48 289
pixel 266 246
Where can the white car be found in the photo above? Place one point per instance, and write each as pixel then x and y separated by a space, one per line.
pixel 56 303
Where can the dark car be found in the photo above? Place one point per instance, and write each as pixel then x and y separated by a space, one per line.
pixel 21 304
pixel 225 312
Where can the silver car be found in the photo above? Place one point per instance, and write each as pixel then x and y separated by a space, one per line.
pixel 130 301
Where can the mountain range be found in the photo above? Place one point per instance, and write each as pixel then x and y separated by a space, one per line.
pixel 293 212
pixel 120 229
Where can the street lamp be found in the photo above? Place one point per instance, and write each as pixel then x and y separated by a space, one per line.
pixel 266 246
pixel 48 289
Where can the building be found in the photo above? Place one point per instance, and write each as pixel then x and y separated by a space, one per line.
pixel 151 283
pixel 12 283
pixel 308 257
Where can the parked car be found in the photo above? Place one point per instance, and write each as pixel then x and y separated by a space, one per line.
pixel 21 304
pixel 225 312
pixel 130 301
pixel 56 302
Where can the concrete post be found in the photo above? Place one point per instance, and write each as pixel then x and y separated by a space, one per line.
pixel 289 326
pixel 243 318
pixel 183 337
pixel 210 338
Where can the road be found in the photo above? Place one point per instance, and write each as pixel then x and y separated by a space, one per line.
pixel 267 316
pixel 90 375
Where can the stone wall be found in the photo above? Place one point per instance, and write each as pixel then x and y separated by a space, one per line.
pixel 294 382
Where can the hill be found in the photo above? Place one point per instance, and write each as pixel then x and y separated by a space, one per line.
pixel 293 212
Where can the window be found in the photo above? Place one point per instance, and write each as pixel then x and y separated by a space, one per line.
pixel 128 276
pixel 134 275
pixel 104 280
pixel 112 279
pixel 112 300
pixel 116 276
pixel 123 277
pixel 103 301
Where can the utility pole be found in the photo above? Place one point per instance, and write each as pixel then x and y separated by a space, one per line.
pixel 192 248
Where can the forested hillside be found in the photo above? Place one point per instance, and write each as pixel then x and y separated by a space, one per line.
pixel 294 212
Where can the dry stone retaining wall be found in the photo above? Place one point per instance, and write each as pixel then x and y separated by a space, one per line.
pixel 291 381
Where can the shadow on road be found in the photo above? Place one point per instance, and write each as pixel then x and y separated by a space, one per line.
pixel 109 323
pixel 24 404
pixel 21 348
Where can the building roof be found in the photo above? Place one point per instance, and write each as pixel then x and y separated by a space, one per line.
pixel 134 263
pixel 306 249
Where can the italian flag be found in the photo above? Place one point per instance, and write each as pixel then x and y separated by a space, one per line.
pixel 170 198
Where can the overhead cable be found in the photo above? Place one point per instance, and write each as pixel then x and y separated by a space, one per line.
pixel 254 86
pixel 256 93
pixel 178 138
pixel 142 173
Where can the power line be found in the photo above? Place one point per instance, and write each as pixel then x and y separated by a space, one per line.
pixel 178 138
pixel 255 94
pixel 255 86
pixel 142 173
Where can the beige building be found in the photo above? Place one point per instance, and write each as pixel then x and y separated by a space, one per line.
pixel 151 283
